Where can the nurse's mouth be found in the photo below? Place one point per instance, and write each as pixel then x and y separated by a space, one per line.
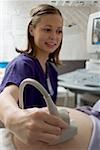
pixel 51 45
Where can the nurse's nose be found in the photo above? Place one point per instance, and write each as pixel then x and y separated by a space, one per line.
pixel 53 36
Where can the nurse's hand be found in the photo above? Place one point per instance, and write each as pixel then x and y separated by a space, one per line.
pixel 36 124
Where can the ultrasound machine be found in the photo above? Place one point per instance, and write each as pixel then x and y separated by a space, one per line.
pixel 87 80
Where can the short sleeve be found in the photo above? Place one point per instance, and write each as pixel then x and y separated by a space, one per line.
pixel 16 71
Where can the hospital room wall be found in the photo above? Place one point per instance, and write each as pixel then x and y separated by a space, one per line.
pixel 14 16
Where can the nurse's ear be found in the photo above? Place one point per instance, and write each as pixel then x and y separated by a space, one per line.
pixel 31 30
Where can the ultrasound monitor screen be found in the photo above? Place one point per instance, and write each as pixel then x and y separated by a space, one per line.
pixel 96 31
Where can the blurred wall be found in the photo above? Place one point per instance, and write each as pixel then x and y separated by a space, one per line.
pixel 14 17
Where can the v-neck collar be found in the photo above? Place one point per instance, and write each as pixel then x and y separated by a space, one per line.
pixel 41 69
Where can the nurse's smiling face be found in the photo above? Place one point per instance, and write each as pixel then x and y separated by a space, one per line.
pixel 47 33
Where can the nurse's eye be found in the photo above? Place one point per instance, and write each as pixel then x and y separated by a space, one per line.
pixel 59 31
pixel 47 29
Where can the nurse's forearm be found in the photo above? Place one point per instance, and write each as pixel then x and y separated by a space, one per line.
pixel 8 107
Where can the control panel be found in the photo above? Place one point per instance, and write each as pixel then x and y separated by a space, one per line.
pixel 82 77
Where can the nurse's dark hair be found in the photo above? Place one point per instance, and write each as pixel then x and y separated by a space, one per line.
pixel 36 14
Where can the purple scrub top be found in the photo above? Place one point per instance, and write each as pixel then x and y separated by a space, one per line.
pixel 25 66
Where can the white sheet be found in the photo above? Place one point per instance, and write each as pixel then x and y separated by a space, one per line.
pixel 5 140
